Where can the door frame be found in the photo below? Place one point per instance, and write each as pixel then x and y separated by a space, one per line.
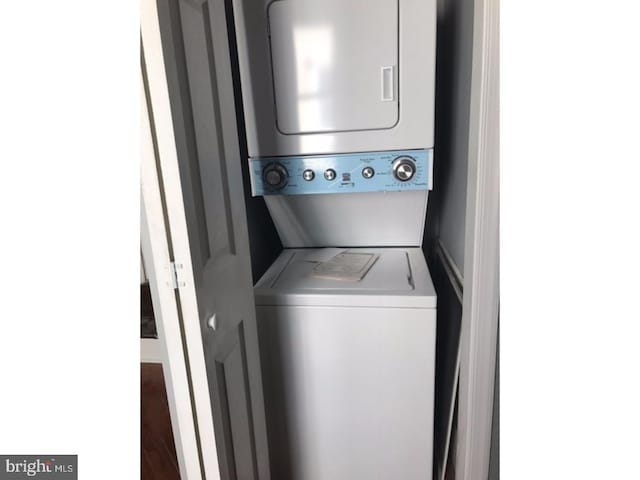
pixel 480 312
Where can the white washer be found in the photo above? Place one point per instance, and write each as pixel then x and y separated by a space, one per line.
pixel 348 367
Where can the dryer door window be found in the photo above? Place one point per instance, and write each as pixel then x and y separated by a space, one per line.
pixel 334 64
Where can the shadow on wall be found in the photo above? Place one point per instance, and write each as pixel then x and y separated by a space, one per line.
pixel 449 316
pixel 264 242
pixel 447 201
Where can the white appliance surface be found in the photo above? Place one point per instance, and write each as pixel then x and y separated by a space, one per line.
pixel 348 370
pixel 399 278
pixel 336 76
pixel 383 219
pixel 331 73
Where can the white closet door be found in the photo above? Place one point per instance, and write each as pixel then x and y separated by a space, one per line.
pixel 190 93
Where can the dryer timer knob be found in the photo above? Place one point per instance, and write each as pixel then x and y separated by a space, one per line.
pixel 404 168
pixel 275 175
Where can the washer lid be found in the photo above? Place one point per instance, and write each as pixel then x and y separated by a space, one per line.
pixel 398 278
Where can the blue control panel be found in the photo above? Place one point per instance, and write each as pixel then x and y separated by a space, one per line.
pixel 390 171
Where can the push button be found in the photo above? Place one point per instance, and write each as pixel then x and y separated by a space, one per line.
pixel 330 174
pixel 368 172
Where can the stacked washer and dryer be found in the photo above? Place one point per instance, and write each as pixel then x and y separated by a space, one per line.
pixel 338 99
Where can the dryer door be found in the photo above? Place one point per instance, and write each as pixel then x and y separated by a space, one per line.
pixel 335 64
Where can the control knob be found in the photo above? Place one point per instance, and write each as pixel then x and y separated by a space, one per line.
pixel 368 172
pixel 275 175
pixel 404 168
pixel 330 174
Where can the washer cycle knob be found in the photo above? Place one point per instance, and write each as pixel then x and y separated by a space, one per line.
pixel 275 175
pixel 404 168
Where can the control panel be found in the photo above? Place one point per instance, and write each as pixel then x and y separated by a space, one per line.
pixel 390 171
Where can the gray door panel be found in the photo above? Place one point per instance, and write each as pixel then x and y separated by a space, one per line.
pixel 197 61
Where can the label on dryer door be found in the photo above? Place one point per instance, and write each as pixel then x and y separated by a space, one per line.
pixel 389 171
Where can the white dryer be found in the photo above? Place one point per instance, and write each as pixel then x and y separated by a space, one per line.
pixel 348 367
pixel 338 101
pixel 336 76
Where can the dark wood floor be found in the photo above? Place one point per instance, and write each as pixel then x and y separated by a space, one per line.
pixel 158 452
